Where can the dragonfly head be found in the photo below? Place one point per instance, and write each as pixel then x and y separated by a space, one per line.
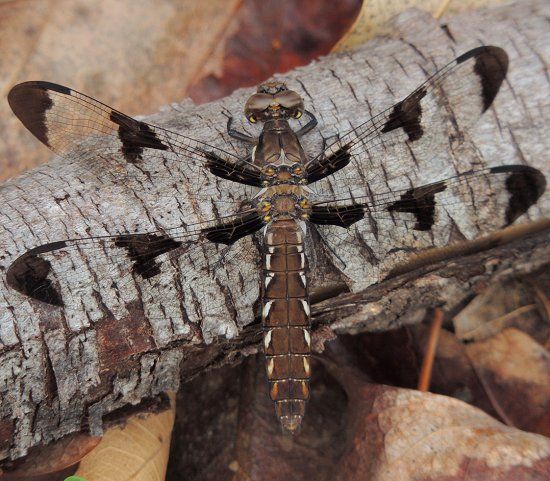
pixel 273 100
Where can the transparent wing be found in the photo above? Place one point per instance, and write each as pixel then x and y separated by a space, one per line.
pixel 117 147
pixel 192 273
pixel 431 121
pixel 386 228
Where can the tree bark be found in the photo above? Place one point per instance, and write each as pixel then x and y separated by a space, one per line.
pixel 60 373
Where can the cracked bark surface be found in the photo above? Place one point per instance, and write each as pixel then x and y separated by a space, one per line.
pixel 59 375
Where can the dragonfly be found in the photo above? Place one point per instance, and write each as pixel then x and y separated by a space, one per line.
pixel 284 199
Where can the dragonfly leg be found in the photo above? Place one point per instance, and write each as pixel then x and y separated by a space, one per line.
pixel 239 135
pixel 309 126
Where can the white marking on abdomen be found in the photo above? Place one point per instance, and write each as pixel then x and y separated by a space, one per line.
pixel 307 369
pixel 305 306
pixel 267 340
pixel 266 309
pixel 268 278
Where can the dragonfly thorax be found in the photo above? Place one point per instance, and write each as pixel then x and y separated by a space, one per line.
pixel 275 174
pixel 283 201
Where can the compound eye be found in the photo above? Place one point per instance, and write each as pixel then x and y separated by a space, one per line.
pixel 252 119
pixel 297 169
pixel 270 171
pixel 298 114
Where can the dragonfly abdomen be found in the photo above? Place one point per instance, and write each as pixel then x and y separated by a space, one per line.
pixel 286 321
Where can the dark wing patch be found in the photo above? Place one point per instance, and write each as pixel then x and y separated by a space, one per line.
pixel 525 186
pixel 491 66
pixel 342 216
pixel 143 249
pixel 135 136
pixel 328 165
pixel 29 276
pixel 31 107
pixel 407 115
pixel 420 202
pixel 231 232
pixel 226 170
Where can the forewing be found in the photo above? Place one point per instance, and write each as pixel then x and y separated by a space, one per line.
pixel 116 146
pixel 431 121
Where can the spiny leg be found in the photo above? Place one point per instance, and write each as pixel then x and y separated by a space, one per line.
pixel 312 123
pixel 239 135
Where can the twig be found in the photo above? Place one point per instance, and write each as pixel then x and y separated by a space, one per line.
pixel 428 362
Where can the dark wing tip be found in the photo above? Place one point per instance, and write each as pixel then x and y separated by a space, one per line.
pixel 41 85
pixel 30 102
pixel 525 185
pixel 28 275
pixel 491 65
pixel 480 51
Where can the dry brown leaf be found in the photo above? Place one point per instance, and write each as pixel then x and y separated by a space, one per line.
pixel 376 15
pixel 137 452
pixel 53 458
pixel 395 433
pixel 64 475
pixel 405 435
pixel 515 370
pixel 272 36
pixel 516 303
pixel 227 429
pixel 395 358
pixel 121 51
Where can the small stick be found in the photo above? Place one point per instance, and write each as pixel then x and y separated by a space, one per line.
pixel 428 362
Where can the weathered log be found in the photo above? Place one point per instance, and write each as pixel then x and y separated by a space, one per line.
pixel 60 373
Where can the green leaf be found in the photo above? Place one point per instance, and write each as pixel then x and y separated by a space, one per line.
pixel 74 478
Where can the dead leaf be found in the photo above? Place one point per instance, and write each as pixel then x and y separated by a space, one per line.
pixel 396 433
pixel 44 461
pixel 518 303
pixel 407 435
pixel 395 358
pixel 515 369
pixel 59 476
pixel 137 452
pixel 376 15
pixel 266 37
pixel 227 429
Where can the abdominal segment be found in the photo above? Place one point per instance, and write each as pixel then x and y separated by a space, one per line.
pixel 286 321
